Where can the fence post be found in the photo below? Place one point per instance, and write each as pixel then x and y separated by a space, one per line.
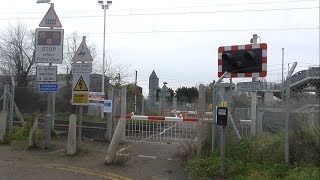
pixel 123 108
pixel 201 111
pixel 287 111
pixel 119 131
pixel 142 105
pixel 4 100
pixel 110 115
pixel 3 123
pixel 11 105
pixel 214 137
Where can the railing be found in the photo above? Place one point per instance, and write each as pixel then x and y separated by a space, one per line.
pixel 160 129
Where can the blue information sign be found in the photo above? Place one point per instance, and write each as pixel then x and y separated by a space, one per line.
pixel 48 88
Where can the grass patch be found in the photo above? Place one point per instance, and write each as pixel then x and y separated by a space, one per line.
pixel 262 157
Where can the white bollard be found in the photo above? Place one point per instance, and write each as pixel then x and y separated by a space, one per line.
pixel 72 135
pixel 3 119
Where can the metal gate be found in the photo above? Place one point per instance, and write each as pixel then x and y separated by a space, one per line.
pixel 160 129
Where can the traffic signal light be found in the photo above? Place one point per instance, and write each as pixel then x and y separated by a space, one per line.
pixel 243 60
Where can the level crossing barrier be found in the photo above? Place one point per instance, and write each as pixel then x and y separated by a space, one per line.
pixel 160 129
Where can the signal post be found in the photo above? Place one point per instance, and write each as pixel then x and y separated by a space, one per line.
pixel 244 61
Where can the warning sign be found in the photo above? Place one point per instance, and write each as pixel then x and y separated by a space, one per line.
pixel 80 99
pixel 80 88
pixel 81 85
pixel 81 82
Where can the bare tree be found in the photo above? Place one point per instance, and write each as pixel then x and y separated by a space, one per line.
pixel 17 49
pixel 112 69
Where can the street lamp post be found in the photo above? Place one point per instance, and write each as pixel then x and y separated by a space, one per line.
pixel 104 7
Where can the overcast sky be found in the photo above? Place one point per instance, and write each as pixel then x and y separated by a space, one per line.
pixel 179 39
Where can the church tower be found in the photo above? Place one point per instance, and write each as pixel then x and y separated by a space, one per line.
pixel 153 86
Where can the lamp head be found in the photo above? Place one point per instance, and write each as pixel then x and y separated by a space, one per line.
pixel 100 2
pixel 43 1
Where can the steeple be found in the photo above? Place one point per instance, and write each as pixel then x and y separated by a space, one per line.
pixel 153 75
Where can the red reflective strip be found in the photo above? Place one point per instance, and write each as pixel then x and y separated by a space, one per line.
pixel 234 75
pixel 117 116
pixel 220 49
pixel 263 74
pixel 248 46
pixel 219 62
pixel 234 48
pixel 263 46
pixel 264 60
pixel 190 119
pixel 157 118
pixel 220 74
pixel 247 74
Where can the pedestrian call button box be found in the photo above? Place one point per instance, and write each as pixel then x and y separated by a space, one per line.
pixel 222 115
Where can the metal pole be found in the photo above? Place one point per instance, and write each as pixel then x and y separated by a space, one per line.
pixel 123 109
pixel 4 101
pixel 142 106
pixel 12 103
pixel 254 96
pixel 135 92
pixel 80 125
pixel 287 111
pixel 222 150
pixel 47 142
pixel 109 116
pixel 53 110
pixel 104 54
pixel 214 128
pixel 282 82
pixel 201 112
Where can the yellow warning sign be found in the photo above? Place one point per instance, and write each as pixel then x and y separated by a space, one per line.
pixel 224 104
pixel 81 85
pixel 78 99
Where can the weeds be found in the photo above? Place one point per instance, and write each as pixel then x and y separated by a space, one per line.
pixel 262 157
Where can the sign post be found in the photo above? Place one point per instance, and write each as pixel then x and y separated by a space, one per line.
pixel 222 120
pixel 49 49
pixel 81 80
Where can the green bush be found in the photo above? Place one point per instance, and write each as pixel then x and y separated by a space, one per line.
pixel 19 133
pixel 208 166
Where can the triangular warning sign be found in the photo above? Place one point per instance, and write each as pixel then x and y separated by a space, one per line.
pixel 82 54
pixel 50 19
pixel 81 85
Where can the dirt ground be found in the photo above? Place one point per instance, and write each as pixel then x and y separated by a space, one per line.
pixel 136 161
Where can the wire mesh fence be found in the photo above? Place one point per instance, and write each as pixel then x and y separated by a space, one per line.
pixel 274 113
